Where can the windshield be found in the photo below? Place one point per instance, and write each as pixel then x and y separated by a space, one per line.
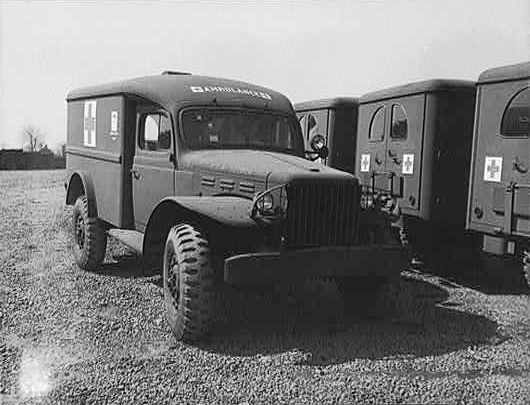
pixel 224 129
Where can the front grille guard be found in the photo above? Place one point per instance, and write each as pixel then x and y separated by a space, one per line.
pixel 321 214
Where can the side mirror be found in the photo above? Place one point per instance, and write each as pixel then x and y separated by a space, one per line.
pixel 318 144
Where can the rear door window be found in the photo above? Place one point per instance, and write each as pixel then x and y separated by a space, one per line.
pixel 516 117
pixel 377 126
pixel 399 127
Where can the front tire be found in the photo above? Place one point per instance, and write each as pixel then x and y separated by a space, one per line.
pixel 526 266
pixel 90 238
pixel 188 282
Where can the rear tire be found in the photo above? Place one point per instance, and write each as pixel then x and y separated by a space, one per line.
pixel 188 282
pixel 89 236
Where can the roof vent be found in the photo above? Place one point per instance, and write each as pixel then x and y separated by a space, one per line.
pixel 172 72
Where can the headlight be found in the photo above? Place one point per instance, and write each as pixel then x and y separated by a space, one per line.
pixel 266 203
pixel 271 203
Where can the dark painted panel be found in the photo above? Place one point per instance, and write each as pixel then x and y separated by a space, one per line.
pixel 101 159
pixel 498 161
pixel 438 144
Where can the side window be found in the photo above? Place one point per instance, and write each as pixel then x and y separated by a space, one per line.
pixel 516 118
pixel 399 122
pixel 302 119
pixel 377 126
pixel 155 132
pixel 317 123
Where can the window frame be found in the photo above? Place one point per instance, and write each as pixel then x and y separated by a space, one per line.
pixel 382 108
pixel 143 114
pixel 392 139
pixel 505 110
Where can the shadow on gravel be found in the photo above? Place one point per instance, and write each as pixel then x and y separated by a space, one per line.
pixel 120 262
pixel 314 324
pixel 492 276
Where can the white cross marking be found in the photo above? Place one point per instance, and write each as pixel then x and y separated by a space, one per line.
pixel 365 162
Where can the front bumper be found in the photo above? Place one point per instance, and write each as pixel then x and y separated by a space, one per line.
pixel 328 261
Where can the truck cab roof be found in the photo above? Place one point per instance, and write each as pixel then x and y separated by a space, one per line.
pixel 505 73
pixel 336 102
pixel 174 91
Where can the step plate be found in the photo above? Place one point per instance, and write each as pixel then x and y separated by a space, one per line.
pixel 132 239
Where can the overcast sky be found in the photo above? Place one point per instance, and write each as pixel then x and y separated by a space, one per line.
pixel 305 49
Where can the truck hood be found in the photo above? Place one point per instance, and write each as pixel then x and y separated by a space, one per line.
pixel 272 167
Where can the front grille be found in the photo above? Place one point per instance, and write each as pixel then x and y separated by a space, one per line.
pixel 322 213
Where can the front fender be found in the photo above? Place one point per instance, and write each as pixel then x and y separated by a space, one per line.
pixel 212 213
pixel 227 210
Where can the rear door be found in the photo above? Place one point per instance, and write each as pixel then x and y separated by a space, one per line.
pixel 371 145
pixel 404 148
pixel 501 183
pixel 153 169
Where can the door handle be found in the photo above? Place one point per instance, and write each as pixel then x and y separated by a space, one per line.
pixel 519 166
pixel 136 174
pixel 394 157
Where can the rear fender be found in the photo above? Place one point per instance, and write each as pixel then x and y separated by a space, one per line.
pixel 78 184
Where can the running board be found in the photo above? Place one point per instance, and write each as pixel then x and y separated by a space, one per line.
pixel 131 239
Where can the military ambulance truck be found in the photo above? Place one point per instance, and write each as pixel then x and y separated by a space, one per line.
pixel 499 191
pixel 332 123
pixel 413 151
pixel 207 179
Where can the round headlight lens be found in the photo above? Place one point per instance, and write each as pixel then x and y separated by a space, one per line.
pixel 266 203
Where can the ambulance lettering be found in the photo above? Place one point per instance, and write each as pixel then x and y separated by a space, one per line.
pixel 235 90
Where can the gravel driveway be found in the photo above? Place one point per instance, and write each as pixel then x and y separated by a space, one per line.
pixel 70 336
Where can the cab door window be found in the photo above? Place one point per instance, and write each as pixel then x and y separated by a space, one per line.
pixel 155 132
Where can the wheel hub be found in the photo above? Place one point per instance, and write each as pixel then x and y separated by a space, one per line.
pixel 173 280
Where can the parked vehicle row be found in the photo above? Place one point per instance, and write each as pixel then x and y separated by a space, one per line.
pixel 450 158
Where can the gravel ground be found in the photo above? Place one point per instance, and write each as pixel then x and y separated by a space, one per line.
pixel 70 336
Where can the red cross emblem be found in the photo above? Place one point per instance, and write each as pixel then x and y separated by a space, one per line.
pixel 89 124
pixel 493 168
pixel 90 119
pixel 365 162
pixel 408 164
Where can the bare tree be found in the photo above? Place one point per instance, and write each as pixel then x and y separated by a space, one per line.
pixel 33 137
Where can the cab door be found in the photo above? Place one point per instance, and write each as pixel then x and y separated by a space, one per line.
pixel 153 167
pixel 404 148
pixel 501 184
